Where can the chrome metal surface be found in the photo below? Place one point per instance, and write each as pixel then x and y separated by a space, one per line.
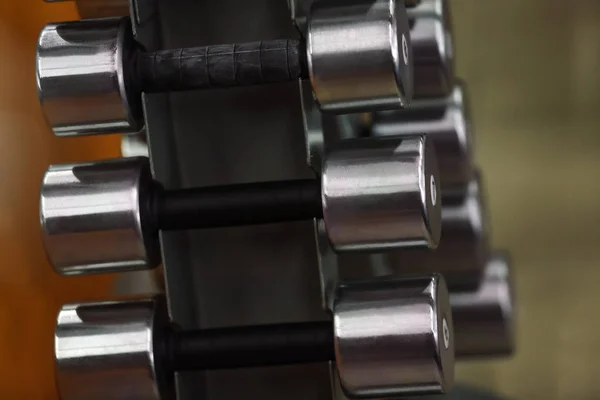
pixel 99 8
pixel 360 55
pixel 464 247
pixel 433 48
pixel 93 217
pixel 447 121
pixel 484 319
pixel 382 193
pixel 81 77
pixel 108 351
pixel 394 337
pixel 134 146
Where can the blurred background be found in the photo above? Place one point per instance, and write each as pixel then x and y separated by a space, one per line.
pixel 535 92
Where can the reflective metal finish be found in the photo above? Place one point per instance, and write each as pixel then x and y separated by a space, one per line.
pixel 99 8
pixel 366 42
pixel 394 337
pixel 108 351
pixel 93 217
pixel 382 193
pixel 484 319
pixel 433 49
pixel 447 121
pixel 464 247
pixel 134 146
pixel 81 77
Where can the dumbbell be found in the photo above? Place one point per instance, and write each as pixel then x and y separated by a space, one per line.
pixel 386 337
pixel 484 318
pixel 99 8
pixel 448 122
pixel 433 49
pixel 91 73
pixel 463 253
pixel 373 194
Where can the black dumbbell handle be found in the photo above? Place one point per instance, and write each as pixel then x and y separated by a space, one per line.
pixel 256 346
pixel 242 204
pixel 217 66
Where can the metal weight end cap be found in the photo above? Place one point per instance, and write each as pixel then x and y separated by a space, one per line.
pixel 382 194
pixel 433 48
pixel 394 337
pixel 95 217
pixel 485 318
pixel 364 41
pixel 403 52
pixel 112 350
pixel 465 249
pixel 447 122
pixel 83 81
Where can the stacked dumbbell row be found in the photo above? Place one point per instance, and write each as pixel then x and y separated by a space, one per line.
pixel 150 350
pixel 104 216
pixel 441 110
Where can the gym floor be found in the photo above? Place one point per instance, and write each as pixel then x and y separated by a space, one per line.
pixel 532 71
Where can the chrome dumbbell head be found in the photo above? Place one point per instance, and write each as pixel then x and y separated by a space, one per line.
pixel 95 217
pixel 116 204
pixel 91 73
pixel 107 350
pixel 484 318
pixel 433 49
pixel 419 360
pixel 447 121
pixel 366 200
pixel 464 250
pixel 83 80
pixel 112 350
pixel 360 55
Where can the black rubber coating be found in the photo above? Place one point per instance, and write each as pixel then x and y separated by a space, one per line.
pixel 227 65
pixel 234 205
pixel 255 346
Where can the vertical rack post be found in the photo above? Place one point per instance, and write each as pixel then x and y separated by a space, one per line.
pixel 243 275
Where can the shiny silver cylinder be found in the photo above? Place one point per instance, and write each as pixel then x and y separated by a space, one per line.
pixel 134 146
pixel 93 217
pixel 446 121
pixel 360 55
pixel 382 193
pixel 464 248
pixel 99 8
pixel 433 48
pixel 394 337
pixel 484 318
pixel 82 78
pixel 109 351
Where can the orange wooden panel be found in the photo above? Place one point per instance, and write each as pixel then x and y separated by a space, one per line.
pixel 30 292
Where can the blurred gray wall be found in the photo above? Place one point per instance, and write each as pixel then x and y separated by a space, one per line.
pixel 533 67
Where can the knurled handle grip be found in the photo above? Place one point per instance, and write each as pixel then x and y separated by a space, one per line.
pixel 225 65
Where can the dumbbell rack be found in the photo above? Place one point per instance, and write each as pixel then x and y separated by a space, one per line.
pixel 256 134
pixel 252 276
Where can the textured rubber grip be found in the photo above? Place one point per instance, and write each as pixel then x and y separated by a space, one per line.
pixel 228 65
pixel 240 204
pixel 238 347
